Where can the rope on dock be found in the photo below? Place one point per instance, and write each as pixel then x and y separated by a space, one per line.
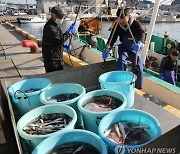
pixel 2 49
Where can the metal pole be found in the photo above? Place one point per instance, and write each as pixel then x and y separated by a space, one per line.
pixel 1 6
pixel 27 5
pixel 151 28
pixel 94 5
pixel 70 39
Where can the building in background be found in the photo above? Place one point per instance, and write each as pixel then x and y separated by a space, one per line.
pixel 2 6
pixel 44 6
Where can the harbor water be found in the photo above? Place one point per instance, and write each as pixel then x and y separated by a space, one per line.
pixel 173 29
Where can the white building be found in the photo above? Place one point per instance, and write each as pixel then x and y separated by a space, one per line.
pixel 2 6
pixel 44 6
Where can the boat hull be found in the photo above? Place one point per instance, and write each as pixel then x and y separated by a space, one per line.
pixel 152 84
pixel 33 19
pixel 23 21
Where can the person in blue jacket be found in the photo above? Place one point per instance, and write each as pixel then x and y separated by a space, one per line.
pixel 127 49
pixel 54 40
pixel 169 68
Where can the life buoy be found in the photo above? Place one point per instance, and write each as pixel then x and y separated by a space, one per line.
pixel 30 43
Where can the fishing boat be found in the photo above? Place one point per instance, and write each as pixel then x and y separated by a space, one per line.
pixel 163 17
pixel 41 18
pixel 90 46
pixel 89 49
pixel 81 75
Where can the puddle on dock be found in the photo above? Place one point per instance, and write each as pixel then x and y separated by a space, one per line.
pixel 128 133
pixel 102 104
pixel 75 148
pixel 155 100
pixel 63 97
pixel 47 123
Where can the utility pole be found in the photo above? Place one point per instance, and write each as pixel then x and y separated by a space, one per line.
pixel 1 7
pixel 27 6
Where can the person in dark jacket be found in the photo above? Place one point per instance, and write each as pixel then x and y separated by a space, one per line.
pixel 168 68
pixel 54 40
pixel 127 49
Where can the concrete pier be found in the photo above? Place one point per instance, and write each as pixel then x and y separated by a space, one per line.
pixel 12 55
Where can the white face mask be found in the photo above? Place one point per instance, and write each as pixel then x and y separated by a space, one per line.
pixel 59 21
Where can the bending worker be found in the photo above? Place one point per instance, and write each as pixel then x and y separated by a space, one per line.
pixel 168 68
pixel 53 40
pixel 127 49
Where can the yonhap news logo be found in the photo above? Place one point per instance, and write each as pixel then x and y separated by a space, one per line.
pixel 121 149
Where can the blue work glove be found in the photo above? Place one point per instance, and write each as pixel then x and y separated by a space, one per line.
pixel 72 29
pixel 67 46
pixel 137 46
pixel 161 76
pixel 105 53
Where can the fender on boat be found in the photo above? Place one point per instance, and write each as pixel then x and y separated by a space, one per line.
pixel 32 44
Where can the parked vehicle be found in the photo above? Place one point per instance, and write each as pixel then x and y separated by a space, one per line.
pixel 15 13
pixel 5 12
pixel 1 13
pixel 22 13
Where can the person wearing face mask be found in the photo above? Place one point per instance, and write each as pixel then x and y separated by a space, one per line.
pixel 169 68
pixel 54 40
pixel 127 50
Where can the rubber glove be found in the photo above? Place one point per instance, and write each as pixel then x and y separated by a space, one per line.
pixel 67 46
pixel 72 29
pixel 105 53
pixel 137 46
pixel 161 76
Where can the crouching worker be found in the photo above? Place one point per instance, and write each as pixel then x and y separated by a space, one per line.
pixel 168 68
pixel 127 49
pixel 54 40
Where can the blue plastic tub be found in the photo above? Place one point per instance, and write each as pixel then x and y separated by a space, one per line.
pixel 131 115
pixel 69 136
pixel 26 101
pixel 121 81
pixel 64 88
pixel 34 140
pixel 91 119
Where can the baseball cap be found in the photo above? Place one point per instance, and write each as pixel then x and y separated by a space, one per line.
pixel 126 11
pixel 58 11
pixel 175 53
